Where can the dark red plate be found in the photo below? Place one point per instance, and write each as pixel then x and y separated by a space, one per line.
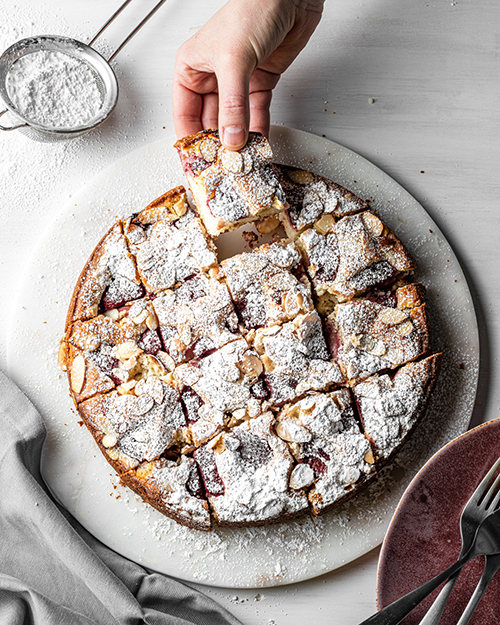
pixel 424 534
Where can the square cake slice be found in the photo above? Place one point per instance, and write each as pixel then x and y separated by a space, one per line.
pixel 217 385
pixel 174 488
pixel 366 336
pixel 196 318
pixel 230 188
pixel 109 279
pixel 334 457
pixel 357 253
pixel 246 473
pixel 113 349
pixel 296 358
pixel 137 426
pixel 268 285
pixel 311 197
pixel 391 406
pixel 169 242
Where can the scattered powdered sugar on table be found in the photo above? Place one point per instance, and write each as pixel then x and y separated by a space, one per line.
pixel 54 89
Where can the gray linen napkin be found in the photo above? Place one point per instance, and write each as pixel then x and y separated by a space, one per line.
pixel 52 571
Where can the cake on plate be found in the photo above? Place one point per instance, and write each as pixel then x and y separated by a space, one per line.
pixel 258 388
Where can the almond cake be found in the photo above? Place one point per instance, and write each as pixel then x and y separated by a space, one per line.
pixel 268 385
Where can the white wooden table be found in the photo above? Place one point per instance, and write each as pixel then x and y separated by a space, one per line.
pixel 432 70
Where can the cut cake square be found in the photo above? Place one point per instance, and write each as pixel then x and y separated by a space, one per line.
pixel 217 386
pixel 311 197
pixel 230 188
pixel 196 318
pixel 391 406
pixel 335 458
pixel 353 255
pixel 246 473
pixel 366 336
pixel 296 358
pixel 268 285
pixel 169 242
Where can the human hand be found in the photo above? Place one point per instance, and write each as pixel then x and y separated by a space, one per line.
pixel 224 75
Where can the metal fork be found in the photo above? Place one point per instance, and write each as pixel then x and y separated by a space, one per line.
pixel 490 568
pixel 486 542
pixel 472 515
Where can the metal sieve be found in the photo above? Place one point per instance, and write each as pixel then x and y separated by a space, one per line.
pixel 105 77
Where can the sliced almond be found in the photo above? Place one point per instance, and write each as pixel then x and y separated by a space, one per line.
pixel 392 316
pixel 185 335
pixel 143 405
pixel 141 317
pixel 126 387
pixel 232 162
pixel 406 328
pixel 113 314
pixel 264 149
pixel 78 373
pixel 300 176
pixel 369 457
pixel 62 356
pixel 374 225
pixel 166 360
pixel 208 149
pixel 152 320
pixel 293 432
pixel 109 441
pixel 251 365
pixel 127 350
pixel 325 224
pixel 269 365
pixel 302 476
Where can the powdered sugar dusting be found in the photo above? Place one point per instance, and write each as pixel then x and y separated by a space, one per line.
pixel 293 550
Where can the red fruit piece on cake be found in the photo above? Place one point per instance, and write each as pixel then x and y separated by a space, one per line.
pixel 246 473
pixel 230 188
pixel 169 242
pixel 311 197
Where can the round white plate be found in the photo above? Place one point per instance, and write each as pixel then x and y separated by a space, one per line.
pixel 78 474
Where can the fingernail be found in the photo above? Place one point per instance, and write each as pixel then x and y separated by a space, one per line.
pixel 234 137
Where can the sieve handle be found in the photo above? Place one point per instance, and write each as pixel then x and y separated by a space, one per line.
pixel 129 37
pixel 10 127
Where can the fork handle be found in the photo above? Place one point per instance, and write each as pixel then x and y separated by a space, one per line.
pixel 396 611
pixel 490 568
pixel 436 610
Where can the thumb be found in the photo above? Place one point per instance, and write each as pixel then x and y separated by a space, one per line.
pixel 234 107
